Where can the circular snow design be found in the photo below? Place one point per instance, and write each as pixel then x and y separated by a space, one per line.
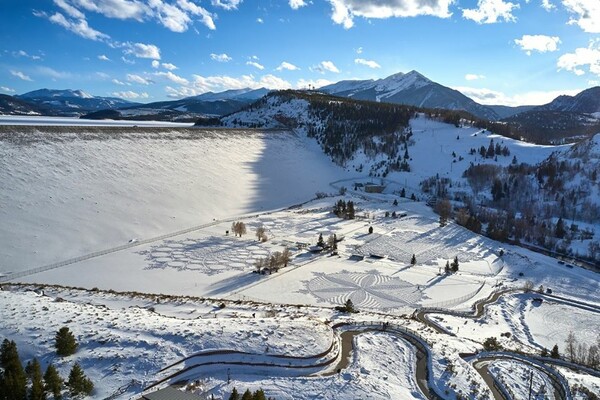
pixel 212 255
pixel 371 290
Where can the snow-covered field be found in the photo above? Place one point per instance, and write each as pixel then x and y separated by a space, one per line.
pixel 69 194
pixel 66 121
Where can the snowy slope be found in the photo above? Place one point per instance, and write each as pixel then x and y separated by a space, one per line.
pixel 76 190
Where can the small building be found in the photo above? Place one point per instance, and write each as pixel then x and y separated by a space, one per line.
pixel 373 188
pixel 169 393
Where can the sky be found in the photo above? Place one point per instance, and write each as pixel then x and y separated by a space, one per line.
pixel 510 52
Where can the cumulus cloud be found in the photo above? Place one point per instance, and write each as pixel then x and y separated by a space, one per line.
pixel 260 20
pixel 226 4
pixel 287 66
pixel 169 66
pixel 359 50
pixel 155 64
pixel 539 43
pixel 491 11
pixel 138 79
pixel 474 77
pixel 586 14
pixel 296 4
pixel 255 65
pixel 581 59
pixel 103 57
pixel 79 27
pixel 220 57
pixel 492 97
pixel 172 77
pixel 130 95
pixel 120 9
pixel 343 12
pixel 6 89
pixel 368 63
pixel 142 50
pixel 325 66
pixel 21 75
pixel 546 5
pixel 202 84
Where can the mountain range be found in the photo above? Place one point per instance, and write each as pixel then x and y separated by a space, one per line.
pixel 564 116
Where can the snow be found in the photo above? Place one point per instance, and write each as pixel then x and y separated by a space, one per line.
pixel 159 201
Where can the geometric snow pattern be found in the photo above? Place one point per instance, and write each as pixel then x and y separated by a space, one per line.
pixel 209 256
pixel 369 290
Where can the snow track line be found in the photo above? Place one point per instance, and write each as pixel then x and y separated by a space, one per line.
pixel 423 372
pixel 60 264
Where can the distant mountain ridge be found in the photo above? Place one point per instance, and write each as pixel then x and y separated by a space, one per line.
pixel 412 89
pixel 72 102
pixel 586 102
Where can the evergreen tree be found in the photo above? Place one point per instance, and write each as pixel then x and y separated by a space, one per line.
pixel 447 268
pixel 13 381
pixel 554 353
pixel 544 352
pixel 349 306
pixel 455 264
pixel 413 260
pixel 37 391
pixel 321 242
pixel 53 381
pixel 560 229
pixel 413 197
pixel 247 395
pixel 259 395
pixel 234 395
pixel 79 383
pixel 350 211
pixel 65 342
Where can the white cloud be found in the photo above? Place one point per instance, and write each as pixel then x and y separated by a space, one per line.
pixel 138 79
pixel 546 5
pixel 314 83
pixel 21 75
pixel 127 61
pixel 359 50
pixel 296 4
pixel 287 66
pixel 103 57
pixel 130 95
pixel 170 16
pixel 120 83
pixel 587 14
pixel 474 77
pixel 23 53
pixel 344 11
pixel 120 9
pixel 220 57
pixel 79 27
pixel 324 66
pixel 226 4
pixel 155 64
pixel 368 63
pixel 255 65
pixel 169 66
pixel 102 75
pixel 69 9
pixel 491 97
pixel 142 50
pixel 491 11
pixel 582 57
pixel 172 77
pixel 6 89
pixel 205 17
pixel 260 20
pixel 203 84
pixel 539 43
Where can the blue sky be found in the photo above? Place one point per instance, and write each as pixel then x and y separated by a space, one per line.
pixel 496 51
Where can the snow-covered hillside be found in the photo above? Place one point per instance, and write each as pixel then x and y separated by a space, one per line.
pixel 70 191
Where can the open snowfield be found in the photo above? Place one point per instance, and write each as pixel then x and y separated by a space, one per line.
pixel 65 121
pixel 73 193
